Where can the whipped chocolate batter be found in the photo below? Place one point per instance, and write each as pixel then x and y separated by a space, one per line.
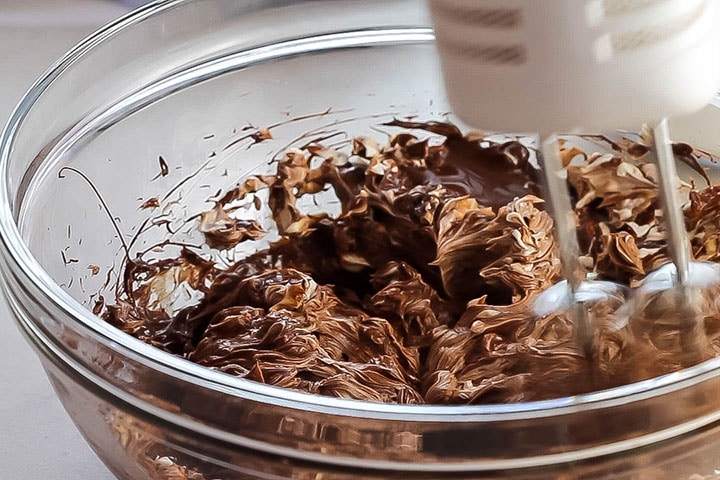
pixel 421 289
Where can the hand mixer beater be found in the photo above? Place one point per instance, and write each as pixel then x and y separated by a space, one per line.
pixel 564 66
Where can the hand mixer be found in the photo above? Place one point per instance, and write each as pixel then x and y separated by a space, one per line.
pixel 566 66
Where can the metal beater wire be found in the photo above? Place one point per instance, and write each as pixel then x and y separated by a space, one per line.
pixel 557 195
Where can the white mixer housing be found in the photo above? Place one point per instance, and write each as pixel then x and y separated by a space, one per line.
pixel 566 65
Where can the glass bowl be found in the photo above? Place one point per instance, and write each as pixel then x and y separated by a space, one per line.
pixel 154 106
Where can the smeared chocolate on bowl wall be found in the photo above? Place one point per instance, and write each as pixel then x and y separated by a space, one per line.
pixel 421 289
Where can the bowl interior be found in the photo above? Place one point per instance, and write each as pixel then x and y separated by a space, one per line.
pixel 182 139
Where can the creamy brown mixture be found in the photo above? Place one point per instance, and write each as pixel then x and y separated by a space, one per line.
pixel 421 289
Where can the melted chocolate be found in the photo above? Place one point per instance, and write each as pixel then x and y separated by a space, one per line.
pixel 492 173
pixel 421 289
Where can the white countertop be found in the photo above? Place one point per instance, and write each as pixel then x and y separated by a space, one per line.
pixel 37 438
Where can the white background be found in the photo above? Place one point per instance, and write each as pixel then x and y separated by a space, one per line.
pixel 37 438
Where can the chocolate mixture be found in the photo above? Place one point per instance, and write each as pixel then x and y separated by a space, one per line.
pixel 421 289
